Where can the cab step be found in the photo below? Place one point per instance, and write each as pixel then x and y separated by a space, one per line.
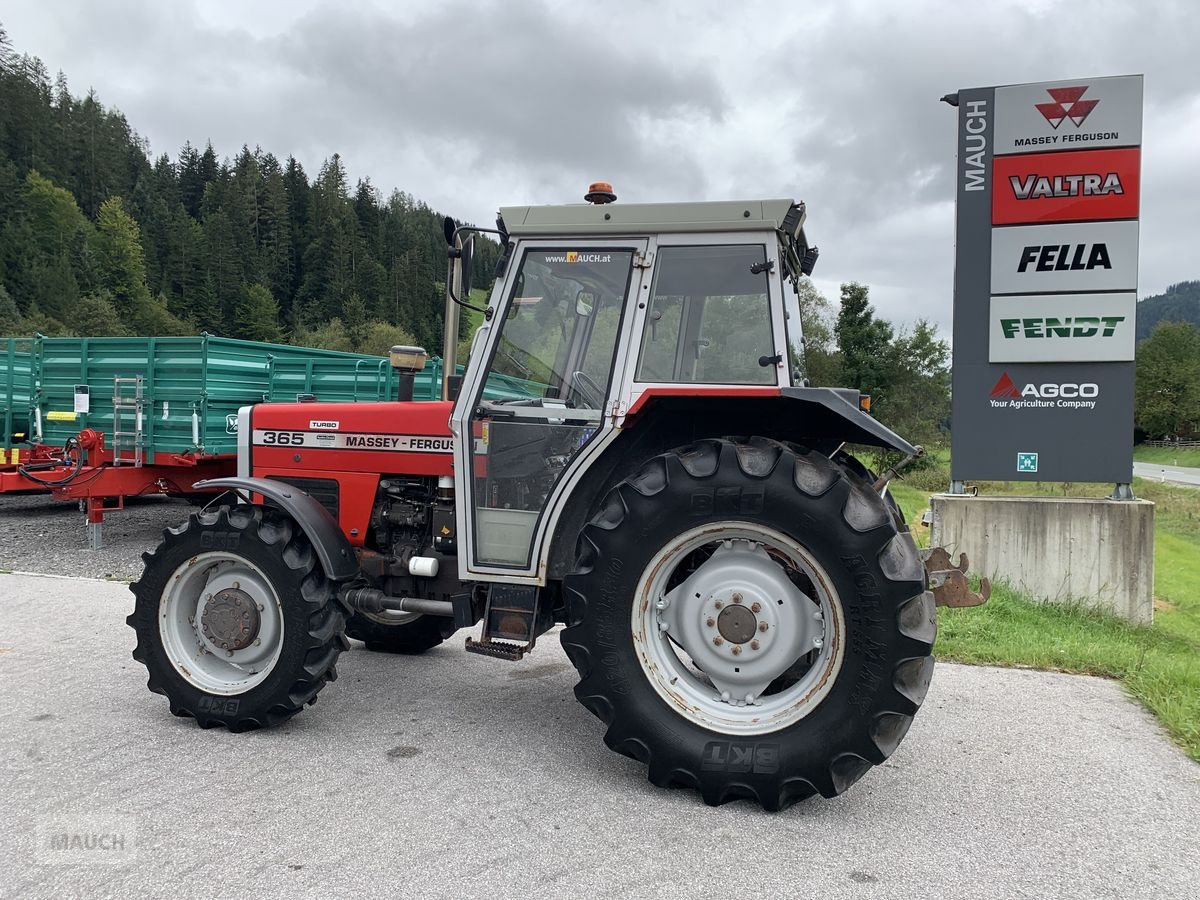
pixel 498 649
pixel 512 621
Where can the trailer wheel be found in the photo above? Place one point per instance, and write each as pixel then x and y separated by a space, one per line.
pixel 397 632
pixel 236 622
pixel 747 619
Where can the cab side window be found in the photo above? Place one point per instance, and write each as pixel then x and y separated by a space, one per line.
pixel 709 318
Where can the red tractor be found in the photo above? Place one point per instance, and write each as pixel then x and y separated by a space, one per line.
pixel 628 454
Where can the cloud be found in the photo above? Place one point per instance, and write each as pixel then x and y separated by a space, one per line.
pixel 470 105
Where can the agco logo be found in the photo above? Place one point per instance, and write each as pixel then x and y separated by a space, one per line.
pixel 1064 395
pixel 1068 104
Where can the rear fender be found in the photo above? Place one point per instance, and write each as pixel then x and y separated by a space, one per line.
pixel 821 419
pixel 333 550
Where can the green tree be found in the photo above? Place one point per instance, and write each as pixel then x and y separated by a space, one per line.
pixel 121 271
pixel 95 316
pixel 329 336
pixel 863 340
pixel 258 315
pixel 916 403
pixel 380 337
pixel 1167 393
pixel 819 361
pixel 11 323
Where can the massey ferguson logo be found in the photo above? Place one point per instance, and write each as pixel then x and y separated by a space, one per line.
pixel 1061 395
pixel 1068 104
pixel 1034 187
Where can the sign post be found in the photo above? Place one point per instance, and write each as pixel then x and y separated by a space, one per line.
pixel 1045 281
pixel 1045 298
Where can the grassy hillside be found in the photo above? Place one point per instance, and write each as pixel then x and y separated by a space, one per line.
pixel 1178 303
pixel 1168 456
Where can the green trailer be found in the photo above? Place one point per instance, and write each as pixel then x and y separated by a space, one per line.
pixel 156 398
pixel 16 388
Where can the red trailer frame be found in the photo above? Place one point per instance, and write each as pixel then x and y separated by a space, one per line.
pixel 100 486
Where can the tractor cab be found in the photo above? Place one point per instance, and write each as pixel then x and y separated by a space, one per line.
pixel 599 308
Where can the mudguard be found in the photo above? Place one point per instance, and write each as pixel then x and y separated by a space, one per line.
pixel 834 410
pixel 333 550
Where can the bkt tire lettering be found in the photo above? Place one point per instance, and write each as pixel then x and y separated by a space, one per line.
pixel 737 756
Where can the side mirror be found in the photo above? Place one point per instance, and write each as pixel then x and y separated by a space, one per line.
pixel 468 251
pixel 585 302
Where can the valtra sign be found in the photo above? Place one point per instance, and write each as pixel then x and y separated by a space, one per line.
pixel 1066 187
pixel 1045 284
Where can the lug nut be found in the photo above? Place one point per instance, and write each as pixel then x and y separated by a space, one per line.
pixel 737 649
pixel 710 622
pixel 817 642
pixel 763 626
pixel 229 653
pixel 754 645
pixel 755 607
pixel 737 598
pixel 718 604
pixel 718 641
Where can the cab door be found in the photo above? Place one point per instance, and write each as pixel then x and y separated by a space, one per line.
pixel 534 409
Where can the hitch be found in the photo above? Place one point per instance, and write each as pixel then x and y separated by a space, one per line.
pixel 948 580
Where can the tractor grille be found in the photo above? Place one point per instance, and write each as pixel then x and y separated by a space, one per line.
pixel 324 490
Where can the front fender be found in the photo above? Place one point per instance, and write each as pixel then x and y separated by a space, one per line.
pixel 333 550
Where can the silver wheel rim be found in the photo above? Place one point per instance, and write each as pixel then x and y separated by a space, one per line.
pixel 198 629
pixel 749 599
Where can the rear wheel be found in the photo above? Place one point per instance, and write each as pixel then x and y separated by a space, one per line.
pixel 748 620
pixel 398 632
pixel 236 623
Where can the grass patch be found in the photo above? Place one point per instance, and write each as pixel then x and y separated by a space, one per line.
pixel 1167 456
pixel 1158 664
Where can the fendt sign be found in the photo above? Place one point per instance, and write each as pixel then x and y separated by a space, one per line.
pixel 1045 284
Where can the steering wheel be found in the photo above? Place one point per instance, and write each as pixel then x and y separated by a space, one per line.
pixel 589 392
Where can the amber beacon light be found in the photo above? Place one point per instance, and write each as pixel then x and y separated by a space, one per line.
pixel 600 192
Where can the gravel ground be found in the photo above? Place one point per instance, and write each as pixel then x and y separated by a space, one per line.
pixel 452 775
pixel 49 536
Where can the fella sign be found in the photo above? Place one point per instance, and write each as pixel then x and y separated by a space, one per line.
pixel 1045 302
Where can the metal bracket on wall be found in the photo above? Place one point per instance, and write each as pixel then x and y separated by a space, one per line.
pixel 1122 491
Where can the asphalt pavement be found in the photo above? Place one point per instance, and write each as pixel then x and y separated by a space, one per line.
pixel 1173 474
pixel 453 775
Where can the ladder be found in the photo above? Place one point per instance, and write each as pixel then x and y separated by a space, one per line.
pixel 128 403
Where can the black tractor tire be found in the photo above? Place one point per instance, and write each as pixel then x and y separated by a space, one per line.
pixel 313 619
pixel 879 579
pixel 413 637
pixel 856 465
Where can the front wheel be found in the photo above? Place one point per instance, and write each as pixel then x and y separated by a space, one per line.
pixel 236 622
pixel 747 620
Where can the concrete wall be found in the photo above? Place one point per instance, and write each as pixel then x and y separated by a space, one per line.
pixel 1098 553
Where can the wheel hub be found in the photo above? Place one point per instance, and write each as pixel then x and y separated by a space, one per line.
pixel 230 619
pixel 741 620
pixel 737 624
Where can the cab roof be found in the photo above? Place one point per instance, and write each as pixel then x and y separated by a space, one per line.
pixel 651 218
